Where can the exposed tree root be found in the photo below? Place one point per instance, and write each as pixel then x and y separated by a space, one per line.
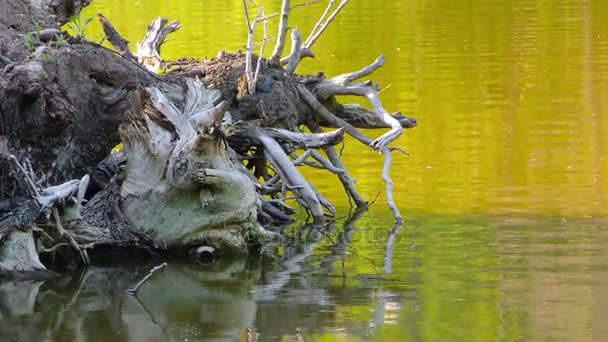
pixel 209 150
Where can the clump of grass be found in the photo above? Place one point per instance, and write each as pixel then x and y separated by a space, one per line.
pixel 60 41
pixel 28 39
pixel 77 26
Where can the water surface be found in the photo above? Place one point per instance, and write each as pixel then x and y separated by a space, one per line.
pixel 505 191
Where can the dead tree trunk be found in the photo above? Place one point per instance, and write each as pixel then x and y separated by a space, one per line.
pixel 209 148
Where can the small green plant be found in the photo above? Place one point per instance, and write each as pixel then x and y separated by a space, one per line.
pixel 38 28
pixel 60 41
pixel 28 39
pixel 77 26
pixel 46 58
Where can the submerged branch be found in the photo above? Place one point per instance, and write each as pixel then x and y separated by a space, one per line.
pixel 133 291
pixel 388 158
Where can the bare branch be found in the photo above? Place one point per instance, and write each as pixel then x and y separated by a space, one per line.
pixel 285 168
pixel 267 17
pixel 291 176
pixel 361 117
pixel 327 88
pixel 326 163
pixel 282 33
pixel 53 248
pixel 345 177
pixel 388 158
pixel 323 112
pixel 335 159
pixel 328 116
pixel 296 50
pixel 28 176
pixel 352 76
pixel 342 85
pixel 246 7
pixel 318 30
pixel 305 52
pixel 260 56
pixel 248 61
pixel 320 21
pixel 120 44
pixel 270 209
pixel 81 252
pixel 302 140
pixel 148 51
pixel 305 3
pixel 315 164
pixel 300 159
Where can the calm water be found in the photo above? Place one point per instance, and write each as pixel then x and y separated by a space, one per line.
pixel 505 192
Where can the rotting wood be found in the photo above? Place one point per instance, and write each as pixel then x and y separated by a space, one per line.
pixel 148 50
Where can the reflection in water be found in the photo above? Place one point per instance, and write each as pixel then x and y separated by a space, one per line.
pixel 227 299
pixel 436 278
pixel 180 302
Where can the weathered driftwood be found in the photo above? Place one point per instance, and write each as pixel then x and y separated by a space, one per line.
pixel 209 148
pixel 182 166
pixel 148 50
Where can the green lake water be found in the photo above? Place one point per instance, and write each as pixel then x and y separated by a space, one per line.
pixel 505 192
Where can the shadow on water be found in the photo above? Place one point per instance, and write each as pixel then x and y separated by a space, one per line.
pixel 223 300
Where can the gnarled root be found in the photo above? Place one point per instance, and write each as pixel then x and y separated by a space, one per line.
pixel 343 85
pixel 200 167
pixel 60 204
pixel 286 170
pixel 181 166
